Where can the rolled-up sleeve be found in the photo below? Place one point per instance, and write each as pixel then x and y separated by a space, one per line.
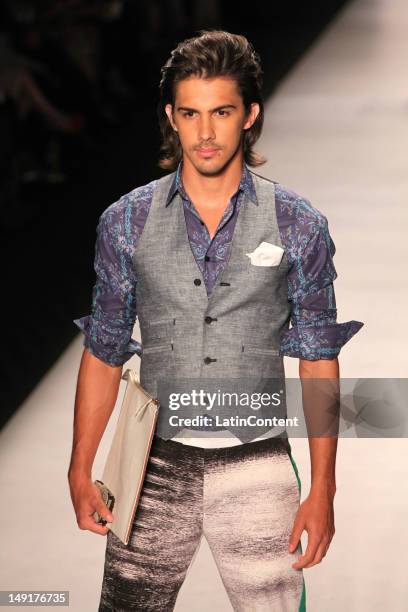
pixel 108 329
pixel 314 332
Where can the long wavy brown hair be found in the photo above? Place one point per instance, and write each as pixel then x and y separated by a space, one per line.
pixel 212 53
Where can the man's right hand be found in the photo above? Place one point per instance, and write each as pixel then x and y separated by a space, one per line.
pixel 96 394
pixel 86 499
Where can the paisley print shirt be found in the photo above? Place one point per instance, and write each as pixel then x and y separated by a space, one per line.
pixel 314 332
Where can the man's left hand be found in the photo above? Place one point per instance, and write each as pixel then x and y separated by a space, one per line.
pixel 316 515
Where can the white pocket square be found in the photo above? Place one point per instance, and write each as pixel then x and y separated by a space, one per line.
pixel 266 254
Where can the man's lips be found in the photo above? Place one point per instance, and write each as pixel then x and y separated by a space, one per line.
pixel 206 152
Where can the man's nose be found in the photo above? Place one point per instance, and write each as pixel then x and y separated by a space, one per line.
pixel 206 129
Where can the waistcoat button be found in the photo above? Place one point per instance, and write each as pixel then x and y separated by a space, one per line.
pixel 208 360
pixel 207 258
pixel 208 319
pixel 197 281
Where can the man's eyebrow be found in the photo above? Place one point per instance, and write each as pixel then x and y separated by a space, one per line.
pixel 223 106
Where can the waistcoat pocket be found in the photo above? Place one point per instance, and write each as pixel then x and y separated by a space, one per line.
pixel 259 350
pixel 157 348
pixel 261 361
pixel 156 330
pixel 261 272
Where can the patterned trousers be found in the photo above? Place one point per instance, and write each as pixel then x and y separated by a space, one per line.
pixel 243 499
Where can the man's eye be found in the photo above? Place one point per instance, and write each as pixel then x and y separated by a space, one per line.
pixel 223 113
pixel 188 113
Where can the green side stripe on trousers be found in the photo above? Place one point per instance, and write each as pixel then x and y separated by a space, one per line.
pixel 302 605
pixel 296 470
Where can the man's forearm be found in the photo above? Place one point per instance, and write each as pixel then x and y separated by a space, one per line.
pixel 323 464
pixel 321 414
pixel 96 394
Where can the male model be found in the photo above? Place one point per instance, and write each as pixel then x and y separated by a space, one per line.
pixel 186 254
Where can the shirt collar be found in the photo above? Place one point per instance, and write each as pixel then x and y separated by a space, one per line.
pixel 246 185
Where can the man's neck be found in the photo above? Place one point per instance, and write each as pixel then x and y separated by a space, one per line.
pixel 215 191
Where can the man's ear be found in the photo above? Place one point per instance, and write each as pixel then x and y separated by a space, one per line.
pixel 169 112
pixel 252 115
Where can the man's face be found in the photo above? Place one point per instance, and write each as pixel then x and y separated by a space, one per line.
pixel 209 116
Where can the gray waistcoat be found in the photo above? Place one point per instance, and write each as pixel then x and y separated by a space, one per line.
pixel 238 325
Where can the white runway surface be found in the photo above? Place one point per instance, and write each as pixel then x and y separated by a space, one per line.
pixel 336 131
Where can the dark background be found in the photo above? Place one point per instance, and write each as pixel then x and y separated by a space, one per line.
pixel 78 128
